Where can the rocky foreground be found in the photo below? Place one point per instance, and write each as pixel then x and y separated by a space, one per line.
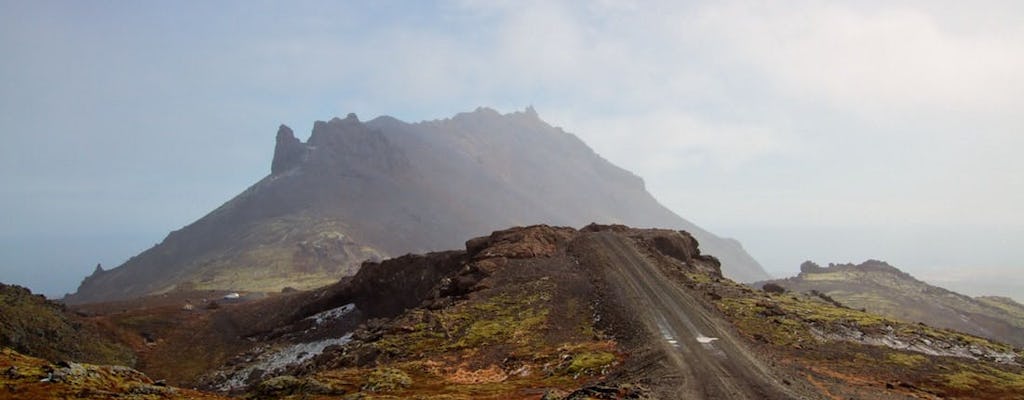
pixel 605 312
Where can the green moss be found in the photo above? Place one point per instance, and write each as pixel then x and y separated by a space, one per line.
pixel 755 316
pixel 591 363
pixel 698 277
pixel 963 381
pixel 515 319
pixel 484 332
pixel 978 380
pixel 503 328
pixel 387 380
pixel 831 276
pixel 42 328
pixel 435 348
pixel 788 321
pixel 748 315
pixel 907 360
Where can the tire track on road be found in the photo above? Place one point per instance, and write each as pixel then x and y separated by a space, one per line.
pixel 713 362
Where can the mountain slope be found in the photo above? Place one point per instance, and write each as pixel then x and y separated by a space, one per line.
pixel 356 191
pixel 884 289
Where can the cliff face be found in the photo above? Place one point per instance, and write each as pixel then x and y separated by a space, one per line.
pixel 881 288
pixel 366 190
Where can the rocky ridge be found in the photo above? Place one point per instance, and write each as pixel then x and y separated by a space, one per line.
pixel 883 289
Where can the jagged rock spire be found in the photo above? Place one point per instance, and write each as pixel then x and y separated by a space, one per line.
pixel 288 152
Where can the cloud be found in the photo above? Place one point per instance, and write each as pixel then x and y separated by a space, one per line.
pixel 738 113
pixel 670 140
pixel 873 59
pixel 871 109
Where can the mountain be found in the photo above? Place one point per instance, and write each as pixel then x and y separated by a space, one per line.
pixel 357 191
pixel 602 312
pixel 883 289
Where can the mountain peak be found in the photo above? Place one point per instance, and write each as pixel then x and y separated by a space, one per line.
pixel 288 152
pixel 531 112
pixel 284 132
pixel 528 115
pixel 358 190
pixel 486 111
pixel 349 118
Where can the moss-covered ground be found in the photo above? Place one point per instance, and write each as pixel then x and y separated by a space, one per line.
pixel 795 324
pixel 35 326
pixel 516 342
pixel 25 377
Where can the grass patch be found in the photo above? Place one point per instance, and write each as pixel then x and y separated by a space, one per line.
pixel 985 381
pixel 907 360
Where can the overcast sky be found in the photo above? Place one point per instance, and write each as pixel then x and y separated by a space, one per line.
pixel 830 131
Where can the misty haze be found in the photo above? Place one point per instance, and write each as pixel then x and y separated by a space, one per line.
pixel 536 200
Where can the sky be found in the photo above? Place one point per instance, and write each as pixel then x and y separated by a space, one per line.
pixel 825 131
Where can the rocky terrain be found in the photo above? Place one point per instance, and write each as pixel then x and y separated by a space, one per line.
pixel 883 289
pixel 357 191
pixel 32 325
pixel 26 377
pixel 605 312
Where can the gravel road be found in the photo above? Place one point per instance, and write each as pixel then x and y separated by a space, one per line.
pixel 712 361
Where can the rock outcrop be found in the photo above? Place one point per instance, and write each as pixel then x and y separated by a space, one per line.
pixel 289 151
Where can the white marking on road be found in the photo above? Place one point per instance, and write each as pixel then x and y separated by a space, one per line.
pixel 666 333
pixel 705 340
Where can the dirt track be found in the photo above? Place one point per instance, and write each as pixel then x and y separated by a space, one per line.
pixel 712 362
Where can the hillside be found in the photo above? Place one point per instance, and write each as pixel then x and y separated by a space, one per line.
pixel 605 312
pixel 35 326
pixel 883 289
pixel 27 377
pixel 357 191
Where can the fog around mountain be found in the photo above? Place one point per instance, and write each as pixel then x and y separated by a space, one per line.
pixel 841 131
pixel 358 191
